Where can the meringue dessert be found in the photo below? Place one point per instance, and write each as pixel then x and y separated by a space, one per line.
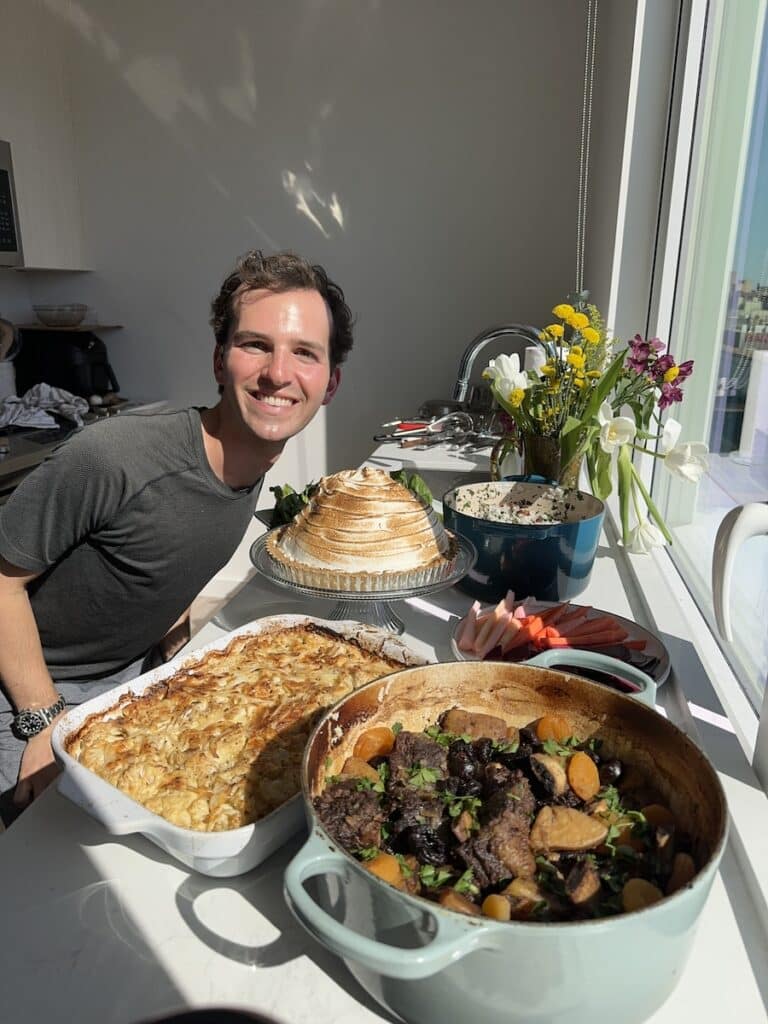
pixel 362 531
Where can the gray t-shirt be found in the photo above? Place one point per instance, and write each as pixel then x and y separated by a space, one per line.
pixel 127 523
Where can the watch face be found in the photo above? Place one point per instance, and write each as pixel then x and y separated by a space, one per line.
pixel 29 723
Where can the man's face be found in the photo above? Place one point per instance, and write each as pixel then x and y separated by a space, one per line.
pixel 275 370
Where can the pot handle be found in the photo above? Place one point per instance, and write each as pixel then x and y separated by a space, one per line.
pixel 646 693
pixel 454 939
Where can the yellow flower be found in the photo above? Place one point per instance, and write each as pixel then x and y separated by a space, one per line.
pixel 671 374
pixel 554 330
pixel 544 335
pixel 563 311
pixel 579 382
pixel 578 320
pixel 547 370
pixel 577 350
pixel 516 396
pixel 593 374
pixel 590 335
pixel 576 361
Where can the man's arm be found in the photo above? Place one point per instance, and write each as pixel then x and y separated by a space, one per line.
pixel 24 676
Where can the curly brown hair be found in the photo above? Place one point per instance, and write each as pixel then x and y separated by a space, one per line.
pixel 281 272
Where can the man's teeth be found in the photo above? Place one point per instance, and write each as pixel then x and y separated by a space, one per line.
pixel 275 400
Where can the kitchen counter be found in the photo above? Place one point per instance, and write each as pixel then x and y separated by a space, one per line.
pixel 107 930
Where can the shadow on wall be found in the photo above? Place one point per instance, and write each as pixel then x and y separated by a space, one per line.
pixel 415 151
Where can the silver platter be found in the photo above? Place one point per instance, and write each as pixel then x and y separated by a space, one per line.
pixel 372 608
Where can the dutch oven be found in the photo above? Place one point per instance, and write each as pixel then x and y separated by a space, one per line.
pixel 551 561
pixel 429 964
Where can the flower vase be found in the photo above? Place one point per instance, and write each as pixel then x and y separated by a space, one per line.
pixel 542 458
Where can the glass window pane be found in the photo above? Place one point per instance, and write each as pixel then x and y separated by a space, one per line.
pixel 738 433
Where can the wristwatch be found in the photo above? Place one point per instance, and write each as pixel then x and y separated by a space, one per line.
pixel 29 722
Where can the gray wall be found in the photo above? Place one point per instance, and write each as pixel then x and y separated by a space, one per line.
pixel 448 133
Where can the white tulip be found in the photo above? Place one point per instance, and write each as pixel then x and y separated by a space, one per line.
pixel 644 537
pixel 688 461
pixel 507 379
pixel 671 434
pixel 614 430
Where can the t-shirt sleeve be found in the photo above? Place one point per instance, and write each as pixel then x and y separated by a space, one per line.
pixel 72 494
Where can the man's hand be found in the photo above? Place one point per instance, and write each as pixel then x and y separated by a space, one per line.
pixel 37 770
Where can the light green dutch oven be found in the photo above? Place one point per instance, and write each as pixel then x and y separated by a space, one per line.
pixel 435 966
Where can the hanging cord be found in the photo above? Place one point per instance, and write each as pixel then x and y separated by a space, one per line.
pixel 586 133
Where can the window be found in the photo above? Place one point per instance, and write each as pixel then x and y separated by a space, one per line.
pixel 718 315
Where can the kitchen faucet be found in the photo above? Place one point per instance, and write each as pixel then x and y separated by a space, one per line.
pixel 472 351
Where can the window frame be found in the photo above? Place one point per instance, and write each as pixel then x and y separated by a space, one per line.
pixel 719 50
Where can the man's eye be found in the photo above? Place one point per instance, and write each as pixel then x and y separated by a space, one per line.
pixel 307 353
pixel 253 346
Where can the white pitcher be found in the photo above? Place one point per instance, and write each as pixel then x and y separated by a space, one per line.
pixel 739 525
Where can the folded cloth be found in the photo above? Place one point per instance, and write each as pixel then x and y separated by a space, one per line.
pixel 33 408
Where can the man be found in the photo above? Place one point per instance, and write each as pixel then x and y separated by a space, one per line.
pixel 106 544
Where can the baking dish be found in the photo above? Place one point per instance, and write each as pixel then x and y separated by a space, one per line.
pixel 219 854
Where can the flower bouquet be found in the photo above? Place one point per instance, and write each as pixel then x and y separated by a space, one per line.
pixel 588 402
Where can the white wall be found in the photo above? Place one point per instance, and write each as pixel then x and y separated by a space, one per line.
pixel 447 132
pixel 425 151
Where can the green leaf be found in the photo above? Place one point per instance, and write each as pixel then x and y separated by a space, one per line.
pixel 605 385
pixel 624 465
pixel 601 482
pixel 368 852
pixel 432 877
pixel 420 777
pixel 656 515
pixel 466 884
pixel 397 727
pixel 415 484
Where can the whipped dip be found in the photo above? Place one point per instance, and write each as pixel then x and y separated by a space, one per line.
pixel 517 504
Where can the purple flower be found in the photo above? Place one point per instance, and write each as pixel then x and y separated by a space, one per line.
pixel 639 352
pixel 656 345
pixel 686 369
pixel 662 364
pixel 670 393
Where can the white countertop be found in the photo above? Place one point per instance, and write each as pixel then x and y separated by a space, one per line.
pixel 113 931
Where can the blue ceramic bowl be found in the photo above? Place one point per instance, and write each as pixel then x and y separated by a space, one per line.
pixel 551 561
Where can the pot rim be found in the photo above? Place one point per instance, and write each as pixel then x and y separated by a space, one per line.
pixel 496 526
pixel 702 877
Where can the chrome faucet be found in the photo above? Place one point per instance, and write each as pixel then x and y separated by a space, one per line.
pixel 472 351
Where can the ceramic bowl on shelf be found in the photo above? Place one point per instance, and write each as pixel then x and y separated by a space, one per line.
pixel 62 314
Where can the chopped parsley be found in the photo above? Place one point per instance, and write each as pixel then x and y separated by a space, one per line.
pixel 466 884
pixel 432 877
pixel 368 852
pixel 445 739
pixel 421 776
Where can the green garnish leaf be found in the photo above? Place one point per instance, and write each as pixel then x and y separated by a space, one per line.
pixel 368 852
pixel 432 877
pixel 466 884
pixel 288 502
pixel 419 776
pixel 404 868
pixel 415 484
pixel 397 728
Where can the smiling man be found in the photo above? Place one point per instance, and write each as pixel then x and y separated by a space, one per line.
pixel 104 547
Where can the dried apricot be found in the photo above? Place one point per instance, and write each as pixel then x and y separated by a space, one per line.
pixel 387 868
pixel 552 727
pixel 376 742
pixel 583 776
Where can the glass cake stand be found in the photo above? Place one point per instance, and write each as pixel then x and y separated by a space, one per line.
pixel 372 608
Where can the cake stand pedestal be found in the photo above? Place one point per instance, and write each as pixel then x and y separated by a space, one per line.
pixel 372 608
